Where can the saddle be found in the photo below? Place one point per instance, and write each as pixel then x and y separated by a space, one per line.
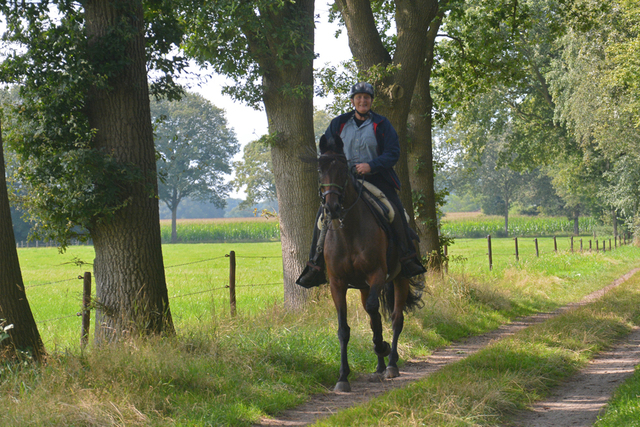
pixel 377 201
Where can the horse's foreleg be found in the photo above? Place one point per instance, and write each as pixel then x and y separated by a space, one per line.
pixel 339 295
pixel 401 291
pixel 371 304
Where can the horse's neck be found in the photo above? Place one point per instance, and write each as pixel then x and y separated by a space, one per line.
pixel 357 208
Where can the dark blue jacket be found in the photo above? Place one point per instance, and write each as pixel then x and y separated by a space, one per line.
pixel 388 145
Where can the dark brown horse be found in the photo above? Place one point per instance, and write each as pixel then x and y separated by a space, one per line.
pixel 356 256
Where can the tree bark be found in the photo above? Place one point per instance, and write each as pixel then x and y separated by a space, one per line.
pixel 291 128
pixel 131 290
pixel 393 92
pixel 14 307
pixel 421 156
pixel 576 222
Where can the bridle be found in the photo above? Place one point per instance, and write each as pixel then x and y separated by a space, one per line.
pixel 338 190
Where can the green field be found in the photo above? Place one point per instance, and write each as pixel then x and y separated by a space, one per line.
pixel 198 276
pixel 223 370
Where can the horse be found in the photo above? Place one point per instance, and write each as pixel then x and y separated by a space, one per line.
pixel 356 256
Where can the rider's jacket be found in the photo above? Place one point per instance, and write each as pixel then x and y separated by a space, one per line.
pixel 374 142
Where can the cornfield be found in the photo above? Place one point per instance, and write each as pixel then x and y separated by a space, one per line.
pixel 481 226
pixel 219 232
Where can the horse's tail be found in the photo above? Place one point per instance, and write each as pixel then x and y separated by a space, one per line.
pixel 414 299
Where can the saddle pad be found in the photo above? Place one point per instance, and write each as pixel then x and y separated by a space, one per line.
pixel 390 212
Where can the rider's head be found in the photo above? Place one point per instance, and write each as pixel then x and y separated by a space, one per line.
pixel 361 95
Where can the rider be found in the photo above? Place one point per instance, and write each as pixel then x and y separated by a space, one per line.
pixel 371 146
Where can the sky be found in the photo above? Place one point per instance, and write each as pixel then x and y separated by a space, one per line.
pixel 249 124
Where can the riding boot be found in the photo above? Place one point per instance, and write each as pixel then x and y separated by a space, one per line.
pixel 409 261
pixel 313 273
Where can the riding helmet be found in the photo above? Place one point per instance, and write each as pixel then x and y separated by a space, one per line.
pixel 361 87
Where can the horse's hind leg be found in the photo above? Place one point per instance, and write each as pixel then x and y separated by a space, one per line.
pixel 339 295
pixel 401 291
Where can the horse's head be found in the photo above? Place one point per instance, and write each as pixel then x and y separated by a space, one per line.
pixel 334 174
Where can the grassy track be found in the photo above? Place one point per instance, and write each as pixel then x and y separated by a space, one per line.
pixel 230 371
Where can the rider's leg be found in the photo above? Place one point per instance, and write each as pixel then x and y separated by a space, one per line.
pixel 313 273
pixel 411 265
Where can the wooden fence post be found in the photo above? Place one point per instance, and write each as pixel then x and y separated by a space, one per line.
pixel 517 254
pixel 537 251
pixel 580 245
pixel 232 282
pixel 571 244
pixel 86 312
pixel 597 245
pixel 490 255
pixel 555 244
pixel 609 244
pixel 590 247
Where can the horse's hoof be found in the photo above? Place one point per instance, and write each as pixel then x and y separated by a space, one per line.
pixel 386 349
pixel 342 387
pixel 376 377
pixel 391 372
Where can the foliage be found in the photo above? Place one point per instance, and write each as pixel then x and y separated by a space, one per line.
pixel 195 148
pixel 67 185
pixel 243 40
pixel 255 174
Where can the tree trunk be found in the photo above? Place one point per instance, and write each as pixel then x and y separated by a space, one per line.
pixel 291 128
pixel 394 92
pixel 576 223
pixel 131 290
pixel 14 307
pixel 174 216
pixel 421 157
pixel 506 218
pixel 614 220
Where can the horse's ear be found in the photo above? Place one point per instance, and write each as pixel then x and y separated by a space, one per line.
pixel 323 144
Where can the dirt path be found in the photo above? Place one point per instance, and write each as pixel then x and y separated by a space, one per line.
pixel 569 407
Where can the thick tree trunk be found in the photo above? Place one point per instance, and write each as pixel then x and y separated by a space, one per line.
pixel 131 290
pixel 14 307
pixel 292 139
pixel 576 222
pixel 421 157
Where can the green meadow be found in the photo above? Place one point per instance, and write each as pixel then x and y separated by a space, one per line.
pixel 221 370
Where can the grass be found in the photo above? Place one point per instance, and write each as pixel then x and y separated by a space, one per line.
pixel 624 408
pixel 222 370
pixel 197 278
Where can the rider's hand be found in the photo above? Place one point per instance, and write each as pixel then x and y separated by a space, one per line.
pixel 363 168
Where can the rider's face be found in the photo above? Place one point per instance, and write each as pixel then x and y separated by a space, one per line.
pixel 362 103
